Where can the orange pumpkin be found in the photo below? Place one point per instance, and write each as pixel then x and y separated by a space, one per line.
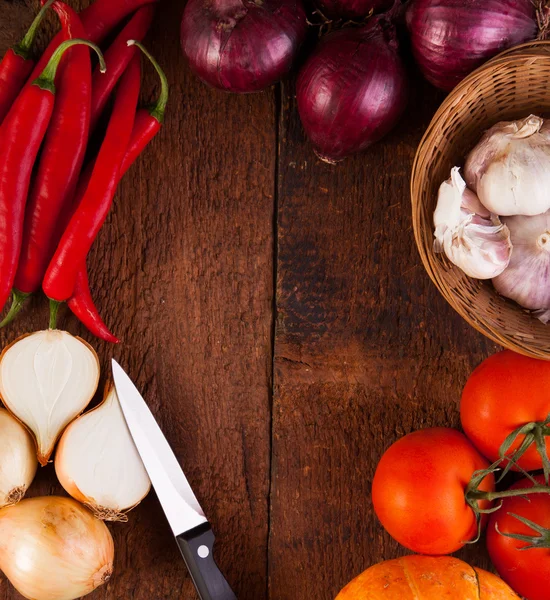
pixel 426 577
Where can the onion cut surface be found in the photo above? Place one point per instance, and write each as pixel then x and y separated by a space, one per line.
pixel 47 378
pixel 98 464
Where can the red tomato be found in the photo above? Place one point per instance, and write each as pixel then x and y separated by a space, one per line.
pixel 505 392
pixel 526 571
pixel 418 490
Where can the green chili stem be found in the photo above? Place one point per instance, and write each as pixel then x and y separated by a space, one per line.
pixel 158 110
pixel 18 301
pixel 25 45
pixel 46 79
pixel 54 309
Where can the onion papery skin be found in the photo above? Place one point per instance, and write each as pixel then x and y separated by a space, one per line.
pixel 352 90
pixel 242 46
pixel 451 38
pixel 53 548
pixel 352 9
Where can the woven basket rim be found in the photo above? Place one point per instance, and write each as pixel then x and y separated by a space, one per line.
pixel 526 55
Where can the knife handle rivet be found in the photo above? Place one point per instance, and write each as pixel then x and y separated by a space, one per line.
pixel 203 552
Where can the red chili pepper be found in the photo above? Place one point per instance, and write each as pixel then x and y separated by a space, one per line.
pixel 117 58
pixel 148 122
pixel 81 302
pixel 102 16
pixel 16 66
pixel 83 307
pixel 60 278
pixel 99 20
pixel 20 138
pixel 146 126
pixel 62 155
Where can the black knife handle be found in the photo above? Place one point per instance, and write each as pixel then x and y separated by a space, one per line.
pixel 197 548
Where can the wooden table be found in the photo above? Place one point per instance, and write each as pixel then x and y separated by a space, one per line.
pixel 276 315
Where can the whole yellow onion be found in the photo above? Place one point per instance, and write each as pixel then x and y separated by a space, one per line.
pixel 53 548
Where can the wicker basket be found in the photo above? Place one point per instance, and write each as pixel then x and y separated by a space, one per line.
pixel 511 86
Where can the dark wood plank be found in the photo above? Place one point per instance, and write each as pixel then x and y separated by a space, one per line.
pixel 183 272
pixel 366 351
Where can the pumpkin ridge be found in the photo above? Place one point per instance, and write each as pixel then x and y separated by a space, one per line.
pixel 410 581
pixel 478 583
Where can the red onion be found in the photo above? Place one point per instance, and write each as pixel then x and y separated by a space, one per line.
pixel 352 90
pixel 451 38
pixel 242 45
pixel 352 9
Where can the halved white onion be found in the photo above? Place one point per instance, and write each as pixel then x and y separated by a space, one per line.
pixel 98 464
pixel 48 378
pixel 17 459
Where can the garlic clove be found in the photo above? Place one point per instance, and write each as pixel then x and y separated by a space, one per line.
pixel 527 278
pixel 17 459
pixel 455 202
pixel 46 379
pixel 98 464
pixel 472 238
pixel 509 169
pixel 54 549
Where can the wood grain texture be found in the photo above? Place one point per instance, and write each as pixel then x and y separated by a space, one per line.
pixel 183 272
pixel 366 351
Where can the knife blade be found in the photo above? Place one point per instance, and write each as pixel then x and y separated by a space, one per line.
pixel 187 520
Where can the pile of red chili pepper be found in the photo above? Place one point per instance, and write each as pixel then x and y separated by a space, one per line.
pixel 54 198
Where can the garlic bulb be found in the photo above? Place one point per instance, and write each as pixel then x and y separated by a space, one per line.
pixel 510 167
pixel 54 549
pixel 46 380
pixel 471 237
pixel 17 459
pixel 527 278
pixel 98 464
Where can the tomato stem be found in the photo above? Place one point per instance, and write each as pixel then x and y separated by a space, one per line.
pixel 476 495
pixel 534 433
pixel 534 541
pixel 473 495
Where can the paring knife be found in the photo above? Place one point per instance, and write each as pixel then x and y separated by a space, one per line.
pixel 189 525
